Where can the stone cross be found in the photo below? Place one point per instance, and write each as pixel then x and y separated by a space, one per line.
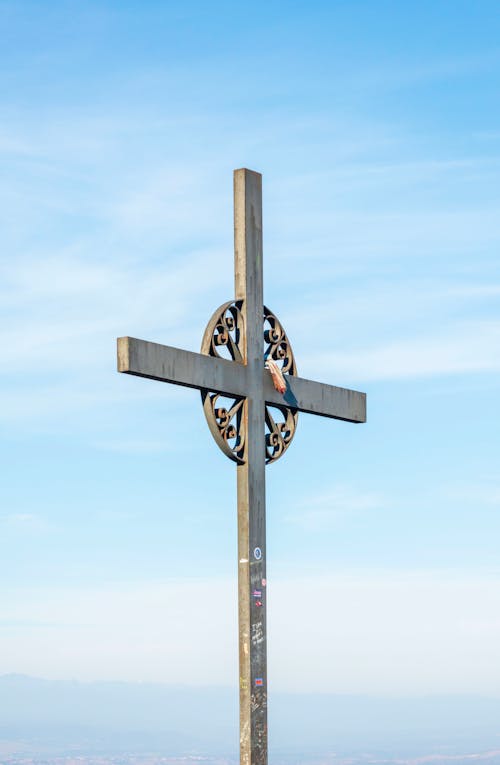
pixel 252 422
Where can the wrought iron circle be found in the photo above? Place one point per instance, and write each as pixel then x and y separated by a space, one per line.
pixel 226 415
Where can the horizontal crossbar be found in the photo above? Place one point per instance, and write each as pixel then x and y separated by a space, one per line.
pixel 195 370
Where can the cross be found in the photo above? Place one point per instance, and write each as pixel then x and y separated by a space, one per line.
pixel 246 360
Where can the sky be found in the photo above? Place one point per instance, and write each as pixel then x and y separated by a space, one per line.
pixel 376 126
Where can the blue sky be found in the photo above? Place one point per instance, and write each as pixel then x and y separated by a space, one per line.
pixel 376 127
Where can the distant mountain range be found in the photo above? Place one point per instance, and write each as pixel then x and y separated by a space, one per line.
pixel 146 717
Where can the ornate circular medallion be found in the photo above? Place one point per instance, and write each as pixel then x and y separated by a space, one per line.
pixel 226 415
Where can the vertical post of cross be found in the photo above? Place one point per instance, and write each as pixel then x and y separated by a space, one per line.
pixel 251 475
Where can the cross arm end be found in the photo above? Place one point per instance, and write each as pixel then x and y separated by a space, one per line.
pixel 318 398
pixel 123 354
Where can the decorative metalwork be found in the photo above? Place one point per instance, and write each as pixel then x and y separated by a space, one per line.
pixel 224 337
pixel 280 429
pixel 277 345
pixel 225 415
pixel 225 332
pixel 281 421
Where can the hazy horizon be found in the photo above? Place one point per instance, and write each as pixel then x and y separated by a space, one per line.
pixel 135 717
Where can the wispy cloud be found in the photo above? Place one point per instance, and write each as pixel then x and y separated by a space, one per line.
pixel 65 311
pixel 348 312
pixel 462 349
pixel 124 446
pixel 24 522
pixel 432 70
pixel 486 493
pixel 30 404
pixel 318 512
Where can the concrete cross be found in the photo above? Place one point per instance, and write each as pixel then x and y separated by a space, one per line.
pixel 254 428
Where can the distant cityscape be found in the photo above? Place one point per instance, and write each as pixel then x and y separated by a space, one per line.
pixel 111 760
pixel 49 722
pixel 491 757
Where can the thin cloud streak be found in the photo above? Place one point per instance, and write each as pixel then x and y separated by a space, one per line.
pixel 464 349
pixel 324 511
pixel 122 446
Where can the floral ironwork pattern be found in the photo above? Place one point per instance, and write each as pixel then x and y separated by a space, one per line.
pixel 276 344
pixel 224 338
pixel 281 421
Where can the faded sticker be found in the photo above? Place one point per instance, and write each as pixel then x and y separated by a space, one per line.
pixel 258 603
pixel 264 582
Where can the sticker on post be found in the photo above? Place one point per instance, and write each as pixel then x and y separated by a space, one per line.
pixel 257 553
pixel 257 633
pixel 259 682
pixel 257 593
